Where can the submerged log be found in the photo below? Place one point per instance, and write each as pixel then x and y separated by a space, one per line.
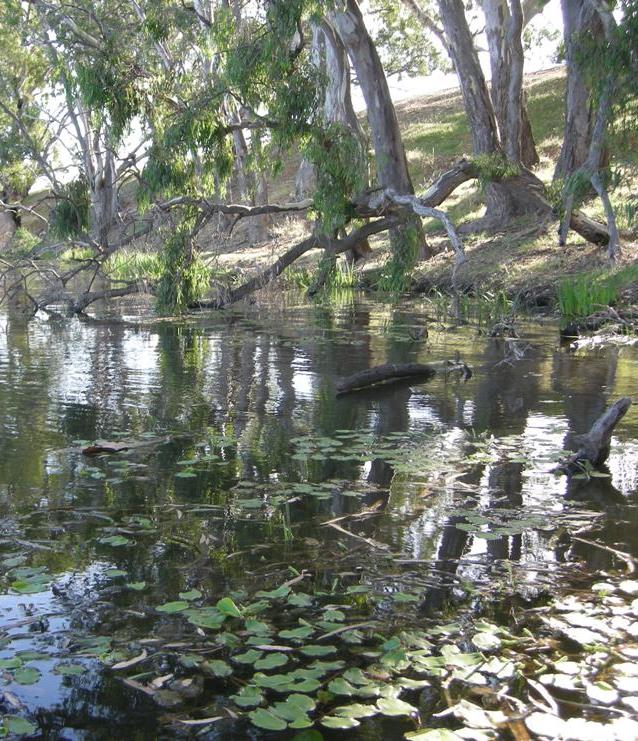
pixel 594 448
pixel 393 372
pixel 110 446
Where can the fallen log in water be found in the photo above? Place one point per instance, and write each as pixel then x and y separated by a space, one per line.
pixel 110 446
pixel 393 372
pixel 594 448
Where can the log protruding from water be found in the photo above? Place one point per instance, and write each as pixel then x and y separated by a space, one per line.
pixel 394 372
pixel 594 448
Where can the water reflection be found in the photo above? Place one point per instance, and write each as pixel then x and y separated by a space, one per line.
pixel 457 473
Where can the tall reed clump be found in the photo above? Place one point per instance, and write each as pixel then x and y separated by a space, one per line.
pixel 586 293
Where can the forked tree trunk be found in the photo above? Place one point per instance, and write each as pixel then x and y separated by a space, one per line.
pixel 391 162
pixel 513 196
pixel 579 18
pixel 503 29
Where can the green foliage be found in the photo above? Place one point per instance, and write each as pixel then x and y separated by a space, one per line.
pixel 184 277
pixel 340 166
pixel 493 167
pixel 70 215
pixel 396 274
pixel 132 265
pixel 110 84
pixel 23 242
pixel 404 44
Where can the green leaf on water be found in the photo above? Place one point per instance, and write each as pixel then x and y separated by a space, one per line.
pixel 305 631
pixel 271 661
pixel 294 708
pixel 267 720
pixel 27 675
pixel 486 641
pixel 13 663
pixel 334 721
pixel 114 540
pixel 394 707
pixel 300 599
pixel 137 586
pixel 316 650
pixel 193 594
pixel 356 710
pixel 113 573
pixel 227 607
pixel 248 657
pixel 29 655
pixel 217 668
pixel 257 627
pixel 339 686
pixel 171 607
pixel 248 697
pixel 403 597
pixel 69 670
pixel 278 593
pixel 356 676
pixel 205 617
pixel 19 726
pixel 187 474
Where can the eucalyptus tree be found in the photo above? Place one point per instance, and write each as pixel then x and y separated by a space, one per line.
pixel 511 189
pixel 611 63
pixel 408 240
pixel 580 20
pixel 25 137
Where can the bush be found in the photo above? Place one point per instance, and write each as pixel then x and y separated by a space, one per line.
pixel 23 242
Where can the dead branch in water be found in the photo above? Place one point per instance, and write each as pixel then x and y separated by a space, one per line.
pixel 594 449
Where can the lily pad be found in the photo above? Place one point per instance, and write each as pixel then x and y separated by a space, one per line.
pixel 172 607
pixel 338 722
pixel 27 675
pixel 316 650
pixel 248 697
pixel 191 595
pixel 267 720
pixel 271 661
pixel 394 707
pixel 69 670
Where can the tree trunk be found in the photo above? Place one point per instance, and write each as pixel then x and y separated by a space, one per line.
pixel 7 228
pixel 391 162
pixel 578 18
pixel 503 29
pixel 513 196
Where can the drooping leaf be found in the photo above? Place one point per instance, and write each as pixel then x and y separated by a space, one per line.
pixel 227 607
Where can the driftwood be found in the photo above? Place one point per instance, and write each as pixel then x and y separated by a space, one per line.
pixel 594 447
pixel 392 373
pixel 592 323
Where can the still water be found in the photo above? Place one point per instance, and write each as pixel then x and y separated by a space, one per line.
pixel 246 470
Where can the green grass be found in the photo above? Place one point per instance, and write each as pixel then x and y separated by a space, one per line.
pixel 589 292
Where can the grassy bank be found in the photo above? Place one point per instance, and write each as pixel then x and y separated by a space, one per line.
pixel 524 262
